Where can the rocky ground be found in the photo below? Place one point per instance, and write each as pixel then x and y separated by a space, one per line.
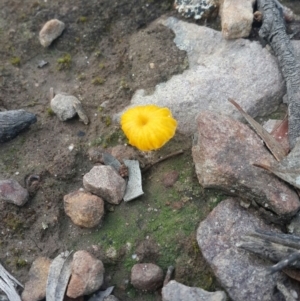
pixel 108 51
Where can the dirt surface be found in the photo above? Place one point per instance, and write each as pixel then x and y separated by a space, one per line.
pixel 114 49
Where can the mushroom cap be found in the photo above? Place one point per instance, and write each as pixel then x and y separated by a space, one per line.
pixel 148 127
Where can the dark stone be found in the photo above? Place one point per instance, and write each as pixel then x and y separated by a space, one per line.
pixel 13 122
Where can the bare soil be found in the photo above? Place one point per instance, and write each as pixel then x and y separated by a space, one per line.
pixel 114 49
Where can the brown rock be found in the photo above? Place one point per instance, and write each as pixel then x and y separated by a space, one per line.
pixel 50 31
pixel 146 276
pixel 170 178
pixel 11 191
pixel 105 182
pixel 35 287
pixel 84 209
pixel 236 18
pixel 87 275
pixel 224 156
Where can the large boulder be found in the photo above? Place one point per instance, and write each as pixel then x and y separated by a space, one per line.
pixel 218 69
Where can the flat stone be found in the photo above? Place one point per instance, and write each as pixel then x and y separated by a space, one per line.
pixel 146 276
pixel 218 69
pixel 242 274
pixel 12 192
pixel 35 287
pixel 224 155
pixel 134 187
pixel 175 291
pixel 87 275
pixel 106 183
pixel 84 209
pixel 236 18
pixel 50 31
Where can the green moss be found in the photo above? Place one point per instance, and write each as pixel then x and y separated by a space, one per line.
pixel 64 62
pixel 13 222
pixel 15 61
pixel 98 81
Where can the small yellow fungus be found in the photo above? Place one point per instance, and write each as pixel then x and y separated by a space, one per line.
pixel 148 127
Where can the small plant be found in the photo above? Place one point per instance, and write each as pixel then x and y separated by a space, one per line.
pixel 64 62
pixel 101 66
pixel 123 84
pixel 15 61
pixel 82 19
pixel 50 112
pixel 106 120
pixel 98 53
pixel 81 77
pixel 98 81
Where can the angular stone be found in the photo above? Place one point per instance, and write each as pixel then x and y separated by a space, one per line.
pixel 106 183
pixel 146 276
pixel 35 287
pixel 87 275
pixel 236 18
pixel 84 209
pixel 11 191
pixel 218 69
pixel 224 156
pixel 50 31
pixel 63 106
pixel 175 291
pixel 242 274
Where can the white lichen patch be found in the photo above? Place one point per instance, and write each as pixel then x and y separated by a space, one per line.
pixel 195 8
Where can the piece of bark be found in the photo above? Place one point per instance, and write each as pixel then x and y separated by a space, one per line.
pixel 288 169
pixel 273 246
pixel 273 31
pixel 272 144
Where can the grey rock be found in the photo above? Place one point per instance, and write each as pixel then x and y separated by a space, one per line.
pixel 50 31
pixel 243 275
pixel 106 183
pixel 236 18
pixel 218 69
pixel 146 276
pixel 175 291
pixel 13 122
pixel 87 274
pixel 224 155
pixel 84 209
pixel 11 191
pixel 63 106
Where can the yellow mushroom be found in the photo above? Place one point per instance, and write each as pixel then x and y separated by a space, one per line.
pixel 148 127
